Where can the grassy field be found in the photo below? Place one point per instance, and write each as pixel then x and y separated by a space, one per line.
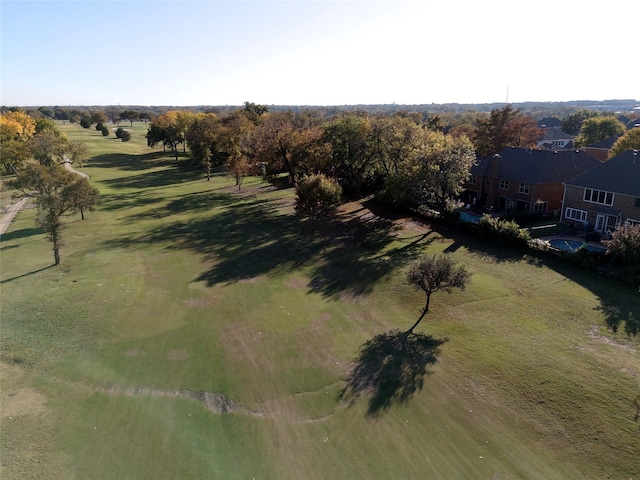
pixel 198 331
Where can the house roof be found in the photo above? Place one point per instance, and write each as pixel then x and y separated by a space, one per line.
pixel 620 174
pixel 551 134
pixel 550 122
pixel 606 144
pixel 535 166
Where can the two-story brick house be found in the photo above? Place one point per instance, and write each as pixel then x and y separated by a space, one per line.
pixel 606 196
pixel 524 179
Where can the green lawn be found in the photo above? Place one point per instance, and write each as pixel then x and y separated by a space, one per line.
pixel 194 331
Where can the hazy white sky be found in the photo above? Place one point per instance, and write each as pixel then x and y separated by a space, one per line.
pixel 316 52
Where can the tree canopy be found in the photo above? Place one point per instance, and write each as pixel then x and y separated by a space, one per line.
pixel 630 140
pixel 317 196
pixel 598 128
pixel 506 127
pixel 58 192
pixel 433 273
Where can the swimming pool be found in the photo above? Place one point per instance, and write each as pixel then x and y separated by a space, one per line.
pixel 574 245
pixel 469 217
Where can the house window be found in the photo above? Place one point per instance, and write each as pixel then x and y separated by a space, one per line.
pixel 540 207
pixel 472 179
pixel 632 223
pixel 575 214
pixel 524 188
pixel 487 181
pixel 504 184
pixel 598 196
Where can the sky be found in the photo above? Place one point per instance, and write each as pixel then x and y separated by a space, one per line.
pixel 306 52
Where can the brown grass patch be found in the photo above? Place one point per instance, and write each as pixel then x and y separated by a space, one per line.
pixel 22 401
pixel 133 353
pixel 297 282
pixel 178 354
pixel 250 280
pixel 593 333
pixel 200 302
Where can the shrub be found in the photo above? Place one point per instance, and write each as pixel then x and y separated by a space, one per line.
pixel 105 130
pixel 505 232
pixel 119 132
pixel 125 136
pixel 85 122
pixel 99 126
pixel 624 250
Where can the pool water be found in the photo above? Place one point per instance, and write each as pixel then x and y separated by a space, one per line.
pixel 574 245
pixel 469 217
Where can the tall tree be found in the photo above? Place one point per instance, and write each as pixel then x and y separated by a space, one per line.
pixel 236 140
pixel 451 159
pixel 164 128
pixel 254 112
pixel 274 143
pixel 47 145
pixel 58 193
pixel 573 122
pixel 433 171
pixel 78 151
pixel 352 153
pixel 82 196
pixel 506 127
pixel 394 140
pixel 130 116
pixel 598 128
pixel 433 273
pixel 97 116
pixel 204 139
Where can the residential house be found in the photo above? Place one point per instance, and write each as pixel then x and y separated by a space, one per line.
pixel 524 180
pixel 550 122
pixel 600 150
pixel 554 139
pixel 606 196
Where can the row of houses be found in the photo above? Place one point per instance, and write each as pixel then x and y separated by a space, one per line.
pixel 582 191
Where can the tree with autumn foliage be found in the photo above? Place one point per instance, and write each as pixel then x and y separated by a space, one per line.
pixel 15 130
pixel 506 127
pixel 204 139
pixel 165 129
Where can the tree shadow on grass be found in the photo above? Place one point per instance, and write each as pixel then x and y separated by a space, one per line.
pixel 26 274
pixel 128 200
pixel 169 176
pixel 22 233
pixel 621 316
pixel 121 161
pixel 188 203
pixel 247 239
pixel 391 368
pixel 361 254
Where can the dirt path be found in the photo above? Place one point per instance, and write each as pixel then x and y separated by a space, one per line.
pixel 67 164
pixel 7 218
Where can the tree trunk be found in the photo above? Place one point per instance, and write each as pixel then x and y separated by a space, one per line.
pixel 56 254
pixel 424 312
pixel 82 214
